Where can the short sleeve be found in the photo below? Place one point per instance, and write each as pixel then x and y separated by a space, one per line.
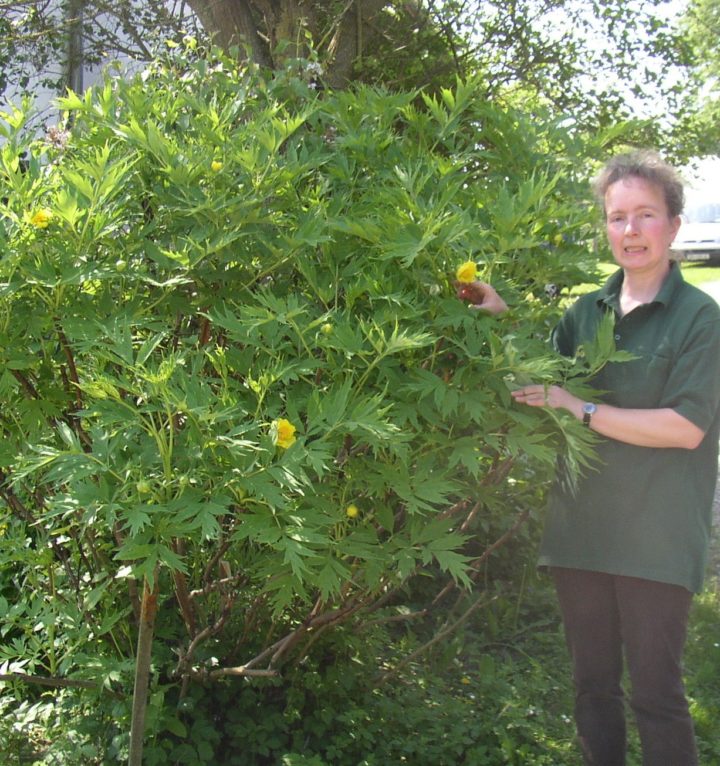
pixel 692 388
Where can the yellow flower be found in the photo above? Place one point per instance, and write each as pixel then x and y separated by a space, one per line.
pixel 216 166
pixel 41 218
pixel 285 433
pixel 352 511
pixel 326 329
pixel 466 272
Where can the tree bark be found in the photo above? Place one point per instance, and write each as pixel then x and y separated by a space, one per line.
pixel 231 22
pixel 274 30
pixel 352 34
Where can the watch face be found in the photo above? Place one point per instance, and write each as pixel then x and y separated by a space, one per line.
pixel 589 408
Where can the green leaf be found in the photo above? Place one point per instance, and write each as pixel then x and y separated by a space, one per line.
pixel 138 517
pixel 331 577
pixel 175 726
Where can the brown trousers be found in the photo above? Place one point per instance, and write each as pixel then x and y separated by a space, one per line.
pixel 605 618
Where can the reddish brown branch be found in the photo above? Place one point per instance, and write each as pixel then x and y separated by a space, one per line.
pixel 65 345
pixel 183 666
pixel 12 500
pixel 26 383
pixel 222 549
pixel 510 533
pixel 182 593
pixel 142 670
pixel 205 328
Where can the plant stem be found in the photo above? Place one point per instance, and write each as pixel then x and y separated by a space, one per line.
pixel 142 670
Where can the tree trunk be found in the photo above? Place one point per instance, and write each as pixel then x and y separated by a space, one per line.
pixel 231 22
pixel 275 29
pixel 74 64
pixel 353 32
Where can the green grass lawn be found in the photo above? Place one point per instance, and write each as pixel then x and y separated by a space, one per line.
pixel 699 273
pixel 695 273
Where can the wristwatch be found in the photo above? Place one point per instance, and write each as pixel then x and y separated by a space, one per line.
pixel 588 409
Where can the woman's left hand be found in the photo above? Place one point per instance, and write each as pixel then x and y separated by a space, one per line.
pixel 547 396
pixel 481 296
pixel 661 427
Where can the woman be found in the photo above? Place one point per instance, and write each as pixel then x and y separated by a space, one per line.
pixel 628 548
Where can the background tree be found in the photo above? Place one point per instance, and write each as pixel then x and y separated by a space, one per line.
pixel 701 23
pixel 47 43
pixel 600 62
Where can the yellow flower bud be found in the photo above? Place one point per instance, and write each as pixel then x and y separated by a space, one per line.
pixel 326 329
pixel 216 166
pixel 352 511
pixel 466 272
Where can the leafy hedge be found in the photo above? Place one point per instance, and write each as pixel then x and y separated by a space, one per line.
pixel 241 403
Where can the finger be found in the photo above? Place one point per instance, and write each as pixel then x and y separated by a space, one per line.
pixel 534 395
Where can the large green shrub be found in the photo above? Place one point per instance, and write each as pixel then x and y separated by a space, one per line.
pixel 209 259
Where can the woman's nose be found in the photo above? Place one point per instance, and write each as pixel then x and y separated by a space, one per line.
pixel 631 225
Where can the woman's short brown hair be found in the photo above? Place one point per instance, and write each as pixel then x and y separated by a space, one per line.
pixel 649 166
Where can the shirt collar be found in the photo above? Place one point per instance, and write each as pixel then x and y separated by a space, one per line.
pixel 609 293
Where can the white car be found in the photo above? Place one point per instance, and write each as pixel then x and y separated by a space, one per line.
pixel 699 236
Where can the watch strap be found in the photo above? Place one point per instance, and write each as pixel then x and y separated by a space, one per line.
pixel 588 411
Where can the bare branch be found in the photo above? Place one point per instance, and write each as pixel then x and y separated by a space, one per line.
pixel 55 683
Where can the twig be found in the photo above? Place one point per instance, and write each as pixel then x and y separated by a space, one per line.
pixel 218 585
pixel 204 634
pixel 56 683
pixel 477 563
pixel 397 618
pixel 519 521
pixel 240 670
pixel 222 549
pixel 480 601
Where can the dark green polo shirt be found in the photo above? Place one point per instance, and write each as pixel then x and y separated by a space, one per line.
pixel 645 512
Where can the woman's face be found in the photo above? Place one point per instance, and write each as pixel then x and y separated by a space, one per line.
pixel 639 228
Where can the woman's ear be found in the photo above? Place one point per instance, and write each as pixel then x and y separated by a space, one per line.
pixel 674 227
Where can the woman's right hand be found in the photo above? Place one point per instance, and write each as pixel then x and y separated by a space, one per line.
pixel 481 296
